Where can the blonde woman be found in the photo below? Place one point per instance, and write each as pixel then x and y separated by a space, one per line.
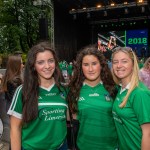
pixel 131 109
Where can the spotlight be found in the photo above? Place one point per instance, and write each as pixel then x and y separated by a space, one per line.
pixel 98 6
pixel 88 15
pixel 112 4
pixel 126 11
pixel 74 16
pixel 105 13
pixel 125 3
pixel 140 1
pixel 142 9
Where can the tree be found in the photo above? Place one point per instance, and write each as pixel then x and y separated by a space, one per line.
pixel 19 26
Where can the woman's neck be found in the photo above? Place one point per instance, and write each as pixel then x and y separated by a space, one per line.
pixel 47 83
pixel 92 83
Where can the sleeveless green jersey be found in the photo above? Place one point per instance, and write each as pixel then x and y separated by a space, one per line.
pixel 97 128
pixel 48 131
pixel 129 118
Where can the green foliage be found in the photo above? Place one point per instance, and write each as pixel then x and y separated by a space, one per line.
pixel 19 26
pixel 24 57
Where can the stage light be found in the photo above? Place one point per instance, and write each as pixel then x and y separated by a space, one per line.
pixel 126 11
pixel 74 16
pixel 98 6
pixel 112 4
pixel 140 1
pixel 125 3
pixel 88 15
pixel 122 23
pixel 142 9
pixel 72 9
pixel 105 13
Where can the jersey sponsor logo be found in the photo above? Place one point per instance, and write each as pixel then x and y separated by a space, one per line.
pixel 81 98
pixel 94 95
pixel 49 114
pixel 50 94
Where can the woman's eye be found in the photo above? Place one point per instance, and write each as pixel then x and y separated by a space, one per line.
pixel 124 62
pixel 40 62
pixel 85 64
pixel 51 61
pixel 94 63
pixel 114 62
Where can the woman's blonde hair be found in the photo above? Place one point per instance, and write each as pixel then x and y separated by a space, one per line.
pixel 134 77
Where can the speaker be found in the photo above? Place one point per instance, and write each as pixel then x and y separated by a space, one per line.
pixel 43 28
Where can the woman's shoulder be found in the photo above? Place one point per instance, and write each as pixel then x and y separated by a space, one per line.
pixel 141 89
pixel 16 80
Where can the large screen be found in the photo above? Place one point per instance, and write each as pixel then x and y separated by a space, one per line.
pixel 136 39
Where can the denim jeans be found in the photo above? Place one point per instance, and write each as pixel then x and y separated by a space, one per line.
pixel 64 146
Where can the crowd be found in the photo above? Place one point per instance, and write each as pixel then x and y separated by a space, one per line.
pixel 108 107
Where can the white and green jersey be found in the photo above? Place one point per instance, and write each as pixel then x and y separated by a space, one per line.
pixel 97 128
pixel 48 131
pixel 128 120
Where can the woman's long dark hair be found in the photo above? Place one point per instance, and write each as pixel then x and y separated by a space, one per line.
pixel 78 76
pixel 30 91
pixel 13 70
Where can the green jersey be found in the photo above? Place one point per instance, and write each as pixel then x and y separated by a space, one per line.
pixel 97 129
pixel 128 120
pixel 48 131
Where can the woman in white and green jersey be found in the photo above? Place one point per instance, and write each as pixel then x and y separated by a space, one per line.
pixel 131 109
pixel 38 110
pixel 91 94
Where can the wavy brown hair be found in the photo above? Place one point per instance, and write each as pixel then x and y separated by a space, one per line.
pixel 78 76
pixel 30 91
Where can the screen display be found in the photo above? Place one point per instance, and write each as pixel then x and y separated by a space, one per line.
pixel 136 39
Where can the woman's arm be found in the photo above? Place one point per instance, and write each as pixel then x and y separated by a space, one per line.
pixel 145 136
pixel 15 133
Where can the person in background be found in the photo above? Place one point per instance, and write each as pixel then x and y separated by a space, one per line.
pixel 131 108
pixel 18 53
pixel 91 93
pixel 12 78
pixel 144 73
pixel 70 70
pixel 38 110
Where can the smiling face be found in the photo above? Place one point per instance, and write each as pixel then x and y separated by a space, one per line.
pixel 122 66
pixel 45 65
pixel 91 69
